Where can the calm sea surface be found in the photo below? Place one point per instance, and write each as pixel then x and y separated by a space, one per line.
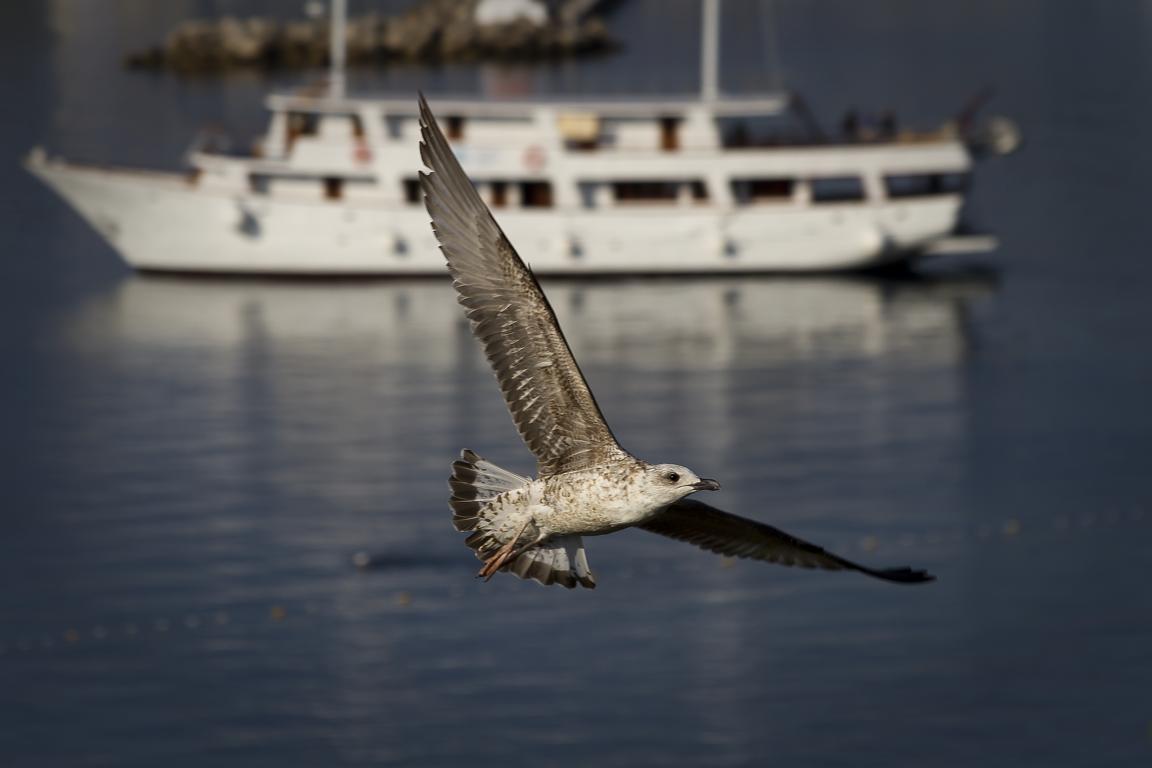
pixel 188 466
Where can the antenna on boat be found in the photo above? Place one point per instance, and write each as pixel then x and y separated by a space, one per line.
pixel 710 51
pixel 770 46
pixel 337 46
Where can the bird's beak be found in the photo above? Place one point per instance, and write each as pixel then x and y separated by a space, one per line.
pixel 706 485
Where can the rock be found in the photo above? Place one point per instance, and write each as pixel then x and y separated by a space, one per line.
pixel 433 31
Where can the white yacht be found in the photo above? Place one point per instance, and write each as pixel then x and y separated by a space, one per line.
pixel 708 184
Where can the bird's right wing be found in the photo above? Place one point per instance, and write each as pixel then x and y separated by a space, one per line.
pixel 550 402
pixel 726 534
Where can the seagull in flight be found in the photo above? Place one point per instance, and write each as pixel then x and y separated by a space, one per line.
pixel 587 485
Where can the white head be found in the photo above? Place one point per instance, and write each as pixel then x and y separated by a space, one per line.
pixel 668 483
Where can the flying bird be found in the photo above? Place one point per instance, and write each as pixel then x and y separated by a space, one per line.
pixel 587 485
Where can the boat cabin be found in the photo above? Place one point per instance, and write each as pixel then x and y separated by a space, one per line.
pixel 590 155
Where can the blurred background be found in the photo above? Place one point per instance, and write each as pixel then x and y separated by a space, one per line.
pixel 190 465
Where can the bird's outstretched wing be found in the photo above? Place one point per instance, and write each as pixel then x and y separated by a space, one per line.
pixel 550 402
pixel 708 528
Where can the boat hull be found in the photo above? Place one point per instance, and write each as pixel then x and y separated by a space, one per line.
pixel 172 223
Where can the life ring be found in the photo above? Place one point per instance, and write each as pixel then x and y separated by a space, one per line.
pixel 363 153
pixel 535 159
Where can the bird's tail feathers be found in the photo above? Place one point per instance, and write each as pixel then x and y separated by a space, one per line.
pixel 475 481
pixel 560 561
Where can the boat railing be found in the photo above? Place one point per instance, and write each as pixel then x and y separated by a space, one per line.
pixel 40 160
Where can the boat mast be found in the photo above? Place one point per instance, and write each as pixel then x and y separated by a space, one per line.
pixel 337 45
pixel 710 51
pixel 771 48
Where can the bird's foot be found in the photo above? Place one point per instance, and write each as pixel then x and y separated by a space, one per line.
pixel 502 555
pixel 493 564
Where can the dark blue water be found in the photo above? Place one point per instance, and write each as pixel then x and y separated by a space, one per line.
pixel 188 466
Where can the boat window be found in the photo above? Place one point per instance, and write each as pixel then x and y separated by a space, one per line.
pixel 258 183
pixel 455 127
pixel 772 190
pixel 333 188
pixel 924 184
pixel 499 194
pixel 536 194
pixel 699 191
pixel 669 134
pixel 837 189
pixel 411 190
pixel 645 191
pixel 357 127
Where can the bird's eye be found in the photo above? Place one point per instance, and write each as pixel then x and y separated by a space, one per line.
pixel 672 476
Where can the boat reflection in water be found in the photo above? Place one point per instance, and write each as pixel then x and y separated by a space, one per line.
pixel 675 323
pixel 317 386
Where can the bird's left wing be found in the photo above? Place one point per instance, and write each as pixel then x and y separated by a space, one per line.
pixel 550 402
pixel 726 534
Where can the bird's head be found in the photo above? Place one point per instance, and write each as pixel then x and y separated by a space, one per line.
pixel 668 483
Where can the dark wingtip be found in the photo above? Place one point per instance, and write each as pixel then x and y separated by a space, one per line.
pixel 904 576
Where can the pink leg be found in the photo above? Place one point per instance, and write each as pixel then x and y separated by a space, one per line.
pixel 502 555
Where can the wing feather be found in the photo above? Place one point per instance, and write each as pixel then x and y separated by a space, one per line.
pixel 726 534
pixel 546 393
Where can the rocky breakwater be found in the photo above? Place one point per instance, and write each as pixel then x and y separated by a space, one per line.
pixel 433 31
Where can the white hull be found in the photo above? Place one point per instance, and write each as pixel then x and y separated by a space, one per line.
pixel 164 222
